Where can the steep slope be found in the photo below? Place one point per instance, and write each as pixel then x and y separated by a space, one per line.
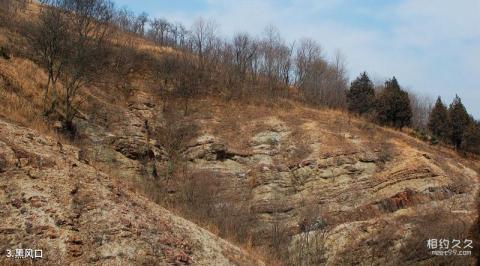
pixel 51 200
pixel 318 186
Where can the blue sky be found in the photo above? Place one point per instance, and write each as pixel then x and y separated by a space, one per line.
pixel 431 46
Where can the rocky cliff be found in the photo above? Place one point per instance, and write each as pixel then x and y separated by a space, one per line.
pixel 317 186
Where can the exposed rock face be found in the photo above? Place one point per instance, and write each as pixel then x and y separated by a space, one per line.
pixel 338 179
pixel 76 214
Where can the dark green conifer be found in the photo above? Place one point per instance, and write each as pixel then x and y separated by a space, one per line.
pixel 361 95
pixel 393 106
pixel 471 137
pixel 458 120
pixel 438 120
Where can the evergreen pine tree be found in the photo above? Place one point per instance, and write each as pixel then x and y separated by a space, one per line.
pixel 471 137
pixel 437 122
pixel 458 120
pixel 361 96
pixel 393 106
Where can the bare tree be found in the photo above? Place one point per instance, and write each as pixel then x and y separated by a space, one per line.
pixel 286 63
pixel 140 22
pixel 307 53
pixel 165 70
pixel 203 37
pixel 337 97
pixel 179 33
pixel 310 68
pixel 77 57
pixel 275 59
pixel 125 63
pixel 188 78
pixel 245 50
pixel 421 108
pixel 50 39
pixel 173 135
pixel 320 82
pixel 159 30
pixel 124 19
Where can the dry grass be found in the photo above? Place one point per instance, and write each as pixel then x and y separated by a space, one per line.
pixel 227 120
pixel 139 43
pixel 21 83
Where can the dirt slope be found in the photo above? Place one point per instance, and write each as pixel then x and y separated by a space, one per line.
pixel 51 200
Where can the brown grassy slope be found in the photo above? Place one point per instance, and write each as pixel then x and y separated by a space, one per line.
pixel 22 82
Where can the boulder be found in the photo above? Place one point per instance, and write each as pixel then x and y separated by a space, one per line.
pixel 368 157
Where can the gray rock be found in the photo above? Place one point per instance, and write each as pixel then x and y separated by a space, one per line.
pixel 326 174
pixel 303 173
pixel 368 157
pixel 268 138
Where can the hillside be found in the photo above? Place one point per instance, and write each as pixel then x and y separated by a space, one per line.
pixel 261 172
pixel 247 181
pixel 79 215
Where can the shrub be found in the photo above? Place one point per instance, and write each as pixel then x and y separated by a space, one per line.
pixel 5 52
pixel 434 140
pixel 3 163
pixel 173 135
pixel 420 134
